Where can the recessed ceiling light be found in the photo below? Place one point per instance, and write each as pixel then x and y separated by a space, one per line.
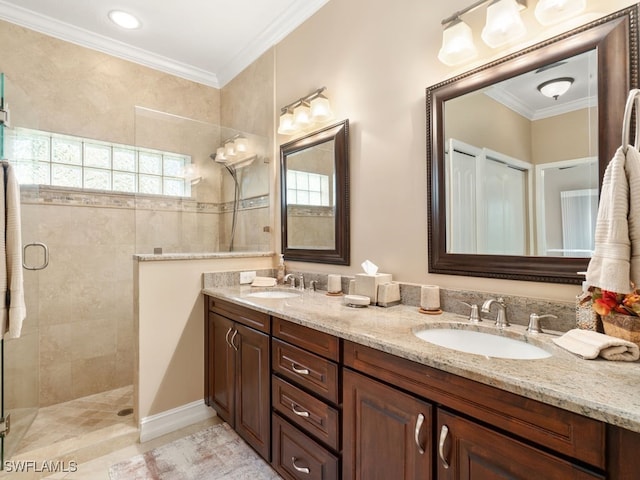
pixel 124 19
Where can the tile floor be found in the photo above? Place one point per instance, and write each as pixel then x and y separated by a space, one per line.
pixel 89 433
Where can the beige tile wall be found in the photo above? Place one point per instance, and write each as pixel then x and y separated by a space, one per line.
pixel 78 338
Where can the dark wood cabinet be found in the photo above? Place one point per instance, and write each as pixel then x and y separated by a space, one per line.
pixel 387 433
pixel 306 400
pixel 322 408
pixel 237 374
pixel 469 451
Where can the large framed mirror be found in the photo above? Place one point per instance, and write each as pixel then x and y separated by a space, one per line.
pixel 314 181
pixel 514 170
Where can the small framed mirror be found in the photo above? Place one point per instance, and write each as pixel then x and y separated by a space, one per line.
pixel 314 186
pixel 514 168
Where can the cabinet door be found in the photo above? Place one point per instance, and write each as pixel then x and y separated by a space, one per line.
pixel 386 432
pixel 253 416
pixel 469 451
pixel 221 367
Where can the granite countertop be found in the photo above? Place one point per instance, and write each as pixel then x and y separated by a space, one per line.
pixel 599 389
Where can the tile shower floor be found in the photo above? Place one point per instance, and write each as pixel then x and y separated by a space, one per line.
pixel 76 418
pixel 89 432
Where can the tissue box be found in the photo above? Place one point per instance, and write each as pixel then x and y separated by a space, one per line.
pixel 388 294
pixel 368 284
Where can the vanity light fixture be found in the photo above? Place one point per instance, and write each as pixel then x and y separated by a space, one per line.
pixel 556 87
pixel 549 12
pixel 457 44
pixel 304 112
pixel 124 19
pixel 503 25
pixel 234 151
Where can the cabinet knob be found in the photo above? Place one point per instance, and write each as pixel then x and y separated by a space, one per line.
pixel 299 469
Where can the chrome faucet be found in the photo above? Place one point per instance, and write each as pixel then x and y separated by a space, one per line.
pixel 290 276
pixel 534 322
pixel 501 318
pixel 301 283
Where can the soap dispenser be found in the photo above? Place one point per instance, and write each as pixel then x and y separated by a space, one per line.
pixel 280 273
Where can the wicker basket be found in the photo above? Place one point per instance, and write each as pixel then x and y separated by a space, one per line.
pixel 626 327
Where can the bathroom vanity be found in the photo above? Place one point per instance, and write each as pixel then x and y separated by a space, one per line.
pixel 354 394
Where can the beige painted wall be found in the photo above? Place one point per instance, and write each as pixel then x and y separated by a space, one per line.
pixel 376 68
pixel 170 329
pixel 565 136
pixel 483 122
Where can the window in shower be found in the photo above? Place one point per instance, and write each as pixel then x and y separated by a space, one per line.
pixel 43 158
pixel 305 188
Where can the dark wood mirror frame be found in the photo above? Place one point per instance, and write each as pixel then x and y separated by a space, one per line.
pixel 615 38
pixel 340 255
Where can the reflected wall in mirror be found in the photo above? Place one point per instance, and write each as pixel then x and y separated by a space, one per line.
pixel 315 196
pixel 513 169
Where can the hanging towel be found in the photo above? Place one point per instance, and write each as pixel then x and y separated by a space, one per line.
pixel 12 309
pixel 615 262
pixel 589 345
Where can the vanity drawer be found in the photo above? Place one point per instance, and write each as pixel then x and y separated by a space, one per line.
pixel 307 412
pixel 317 342
pixel 251 318
pixel 310 371
pixel 296 456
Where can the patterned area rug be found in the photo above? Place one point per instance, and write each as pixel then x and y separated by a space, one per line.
pixel 214 453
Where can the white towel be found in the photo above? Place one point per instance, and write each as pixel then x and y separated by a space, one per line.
pixel 589 345
pixel 12 306
pixel 615 262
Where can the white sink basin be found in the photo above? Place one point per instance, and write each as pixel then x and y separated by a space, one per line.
pixel 481 343
pixel 273 294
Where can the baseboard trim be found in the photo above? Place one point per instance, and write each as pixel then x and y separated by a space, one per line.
pixel 171 420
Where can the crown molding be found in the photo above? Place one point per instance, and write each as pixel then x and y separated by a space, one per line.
pixel 273 34
pixel 79 36
pixel 247 55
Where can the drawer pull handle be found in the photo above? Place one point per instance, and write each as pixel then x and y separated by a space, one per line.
pixel 300 413
pixel 235 332
pixel 226 337
pixel 419 422
pixel 299 469
pixel 300 371
pixel 443 438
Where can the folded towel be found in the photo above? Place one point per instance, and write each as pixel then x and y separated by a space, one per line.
pixel 263 282
pixel 589 345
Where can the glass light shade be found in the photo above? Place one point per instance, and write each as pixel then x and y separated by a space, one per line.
pixel 321 109
pixel 220 156
pixel 287 126
pixel 556 87
pixel 457 44
pixel 124 19
pixel 549 12
pixel 230 149
pixel 302 115
pixel 504 24
pixel 242 144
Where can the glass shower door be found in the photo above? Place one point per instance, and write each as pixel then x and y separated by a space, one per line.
pixel 19 362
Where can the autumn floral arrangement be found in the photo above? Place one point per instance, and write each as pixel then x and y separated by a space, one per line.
pixel 619 313
pixel 606 302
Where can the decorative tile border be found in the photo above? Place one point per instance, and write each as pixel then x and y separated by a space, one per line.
pixel 47 195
